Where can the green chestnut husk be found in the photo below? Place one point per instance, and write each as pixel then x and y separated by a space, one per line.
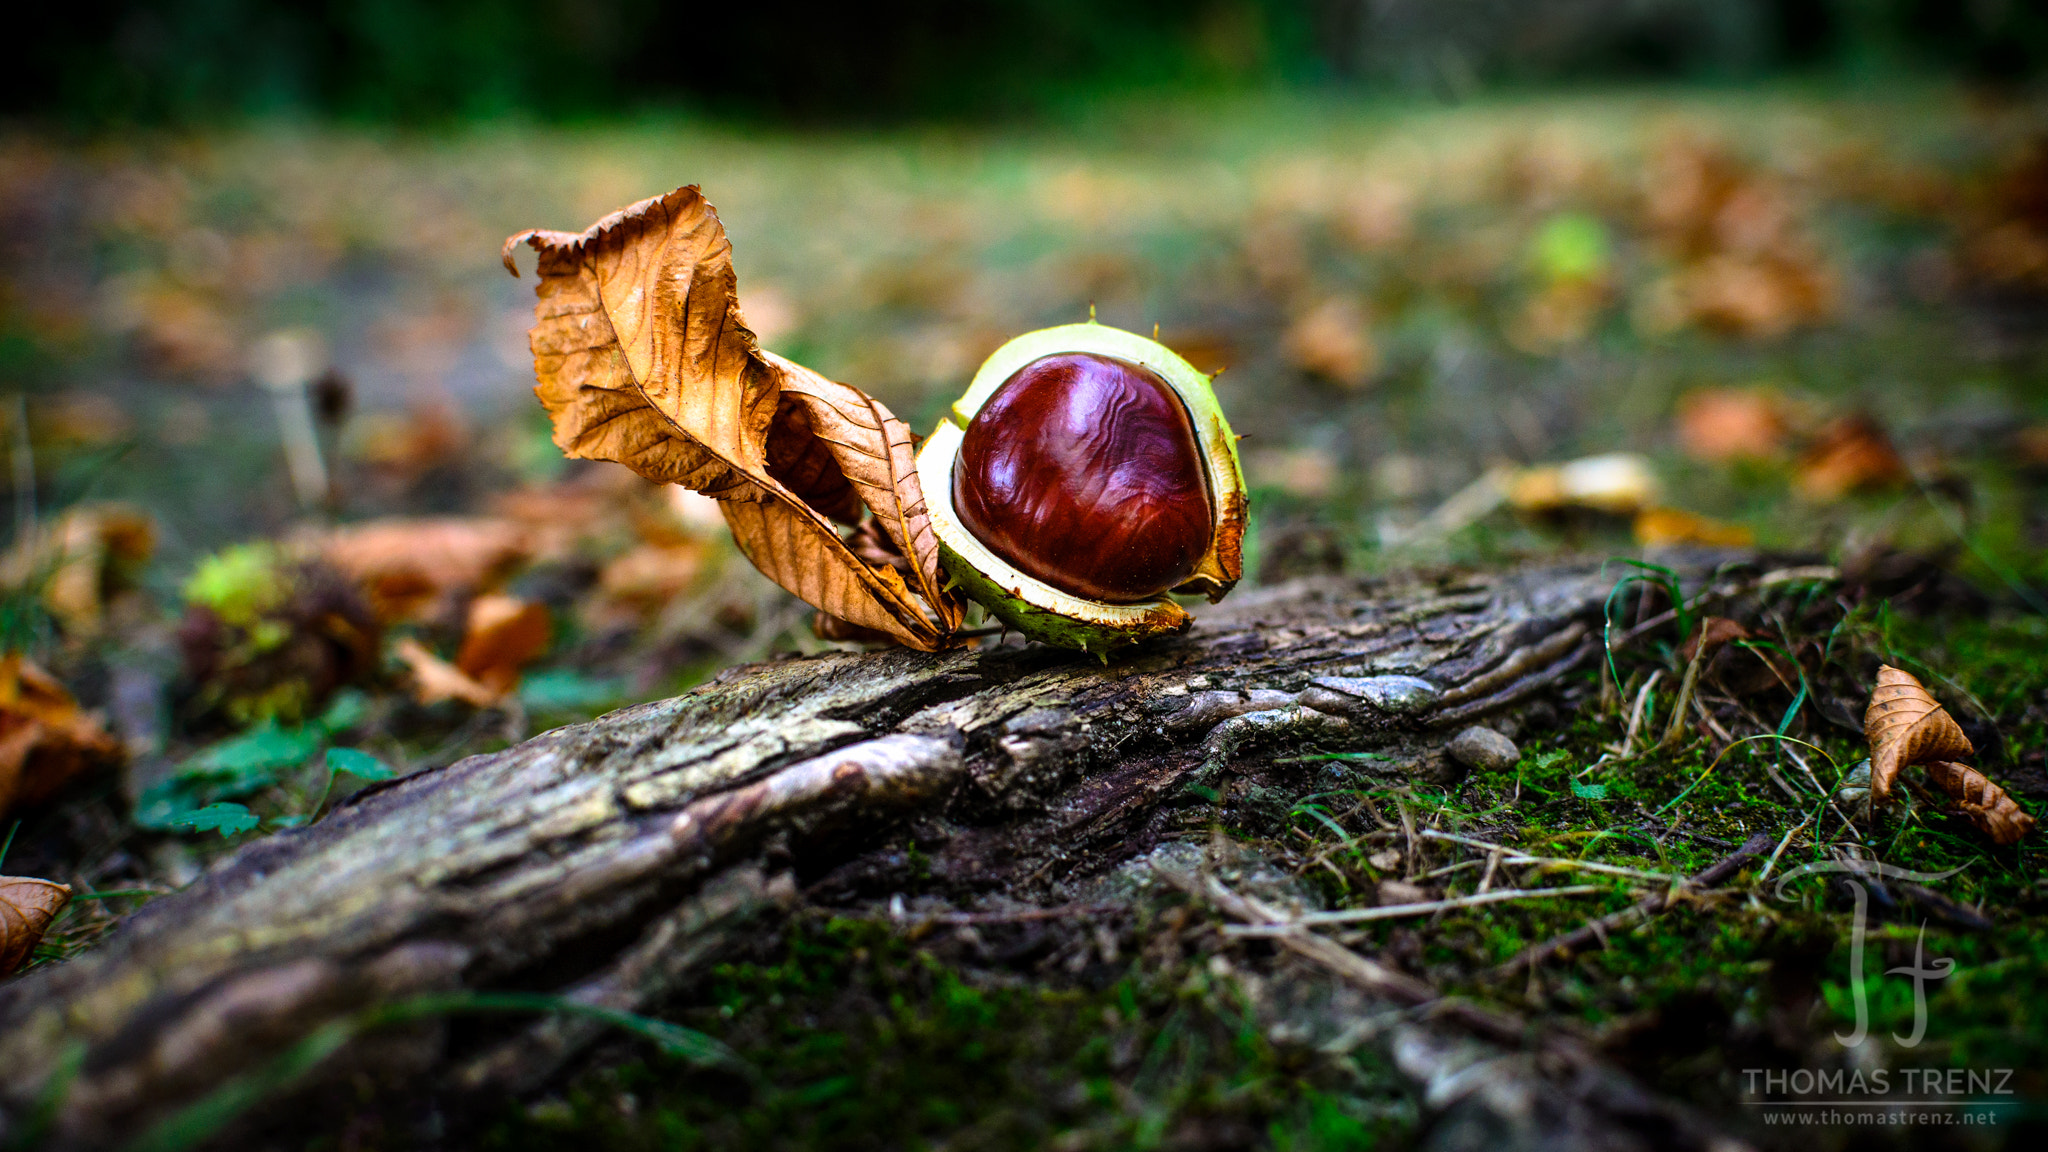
pixel 1034 607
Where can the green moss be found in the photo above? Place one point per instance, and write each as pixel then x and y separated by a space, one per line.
pixel 863 1039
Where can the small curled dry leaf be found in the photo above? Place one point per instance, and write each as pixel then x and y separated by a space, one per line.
pixel 435 679
pixel 27 906
pixel 1983 803
pixel 45 740
pixel 1905 725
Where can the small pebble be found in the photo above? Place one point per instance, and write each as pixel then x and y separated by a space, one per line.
pixel 1484 749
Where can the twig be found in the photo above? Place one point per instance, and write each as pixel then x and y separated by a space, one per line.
pixel 1772 863
pixel 1400 911
pixel 1521 858
pixel 1492 865
pixel 1371 975
pixel 1407 837
pixel 1592 934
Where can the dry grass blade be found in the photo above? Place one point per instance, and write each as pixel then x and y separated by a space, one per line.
pixel 27 906
pixel 644 358
pixel 1905 725
pixel 1983 803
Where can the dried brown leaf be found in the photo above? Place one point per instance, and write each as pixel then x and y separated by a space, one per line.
pixel 27 906
pixel 415 568
pixel 1905 725
pixel 1720 424
pixel 1983 803
pixel 45 741
pixel 1714 632
pixel 505 634
pixel 435 679
pixel 877 456
pixel 644 358
pixel 1848 455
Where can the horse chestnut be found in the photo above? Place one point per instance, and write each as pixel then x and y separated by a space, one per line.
pixel 1086 472
pixel 1082 470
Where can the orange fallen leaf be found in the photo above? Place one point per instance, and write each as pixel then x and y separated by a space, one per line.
pixel 1906 725
pixel 1668 526
pixel 79 563
pixel 1719 424
pixel 1332 341
pixel 505 634
pixel 1983 803
pixel 644 579
pixel 415 568
pixel 644 358
pixel 27 906
pixel 435 679
pixel 45 741
pixel 1850 454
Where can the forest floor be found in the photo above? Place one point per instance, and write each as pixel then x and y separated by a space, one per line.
pixel 1601 324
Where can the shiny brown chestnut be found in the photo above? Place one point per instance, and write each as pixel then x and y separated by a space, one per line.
pixel 1083 470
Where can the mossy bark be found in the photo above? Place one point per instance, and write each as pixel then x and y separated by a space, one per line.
pixel 609 862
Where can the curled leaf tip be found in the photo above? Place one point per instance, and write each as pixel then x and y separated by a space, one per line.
pixel 1906 725
pixel 27 906
pixel 1981 802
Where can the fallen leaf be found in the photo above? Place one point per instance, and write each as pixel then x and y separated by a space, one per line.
pixel 1721 424
pixel 1670 526
pixel 1849 454
pixel 45 741
pixel 1332 341
pixel 1619 482
pixel 644 358
pixel 1714 632
pixel 2031 444
pixel 412 569
pixel 1905 725
pixel 82 561
pixel 435 679
pixel 402 447
pixel 1561 314
pixel 1310 473
pixel 504 635
pixel 644 579
pixel 1983 803
pixel 27 906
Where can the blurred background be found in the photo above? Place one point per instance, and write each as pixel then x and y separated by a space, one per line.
pixel 1487 278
